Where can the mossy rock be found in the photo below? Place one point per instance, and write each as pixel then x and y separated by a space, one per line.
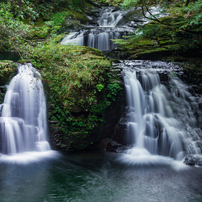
pixel 71 72
pixel 7 70
pixel 79 89
pixel 163 37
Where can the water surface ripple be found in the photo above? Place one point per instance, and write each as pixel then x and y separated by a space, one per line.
pixel 97 176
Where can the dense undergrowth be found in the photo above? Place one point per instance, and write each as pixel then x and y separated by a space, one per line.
pixel 31 22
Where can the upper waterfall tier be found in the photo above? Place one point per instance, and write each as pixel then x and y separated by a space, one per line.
pixel 161 119
pixel 99 37
pixel 23 125
pixel 109 18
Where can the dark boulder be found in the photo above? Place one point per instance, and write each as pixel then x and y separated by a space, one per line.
pixel 193 160
pixel 110 145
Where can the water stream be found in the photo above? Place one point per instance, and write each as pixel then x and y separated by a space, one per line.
pixel 99 37
pixel 163 118
pixel 97 176
pixel 109 26
pixel 23 121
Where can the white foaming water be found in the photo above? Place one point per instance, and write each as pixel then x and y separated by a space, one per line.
pixel 141 157
pixel 102 41
pixel 161 122
pixel 23 125
pixel 110 18
pixel 29 157
pixel 74 38
pixel 99 39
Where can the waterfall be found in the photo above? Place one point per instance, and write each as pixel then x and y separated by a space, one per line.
pixel 161 119
pixel 110 18
pixel 23 122
pixel 99 37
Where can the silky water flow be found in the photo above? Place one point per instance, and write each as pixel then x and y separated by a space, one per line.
pixel 162 119
pixel 98 37
pixel 23 122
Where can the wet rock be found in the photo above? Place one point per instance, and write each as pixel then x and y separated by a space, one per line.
pixel 193 160
pixel 104 143
pixel 53 122
pixel 199 144
pixel 112 146
pixel 58 144
pixel 190 160
pixel 120 130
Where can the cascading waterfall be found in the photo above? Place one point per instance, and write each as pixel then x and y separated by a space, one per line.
pixel 99 38
pixel 161 118
pixel 102 41
pixel 23 123
pixel 110 18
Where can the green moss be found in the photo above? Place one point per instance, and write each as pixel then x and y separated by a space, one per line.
pixel 39 22
pixel 163 36
pixel 7 71
pixel 69 18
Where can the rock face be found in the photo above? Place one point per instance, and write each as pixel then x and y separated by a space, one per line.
pixel 110 145
pixel 120 130
pixel 193 160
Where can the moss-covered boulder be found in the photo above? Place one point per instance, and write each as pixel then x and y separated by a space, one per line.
pixel 161 38
pixel 80 90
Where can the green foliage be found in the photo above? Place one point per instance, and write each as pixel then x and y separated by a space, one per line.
pixel 59 18
pixel 24 24
pixel 33 9
pixel 23 9
pixel 193 15
pixel 113 89
pixel 7 71
pixel 179 32
pixel 110 2
pixel 99 87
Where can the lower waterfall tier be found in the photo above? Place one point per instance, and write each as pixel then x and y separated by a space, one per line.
pixel 163 118
pixel 23 125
